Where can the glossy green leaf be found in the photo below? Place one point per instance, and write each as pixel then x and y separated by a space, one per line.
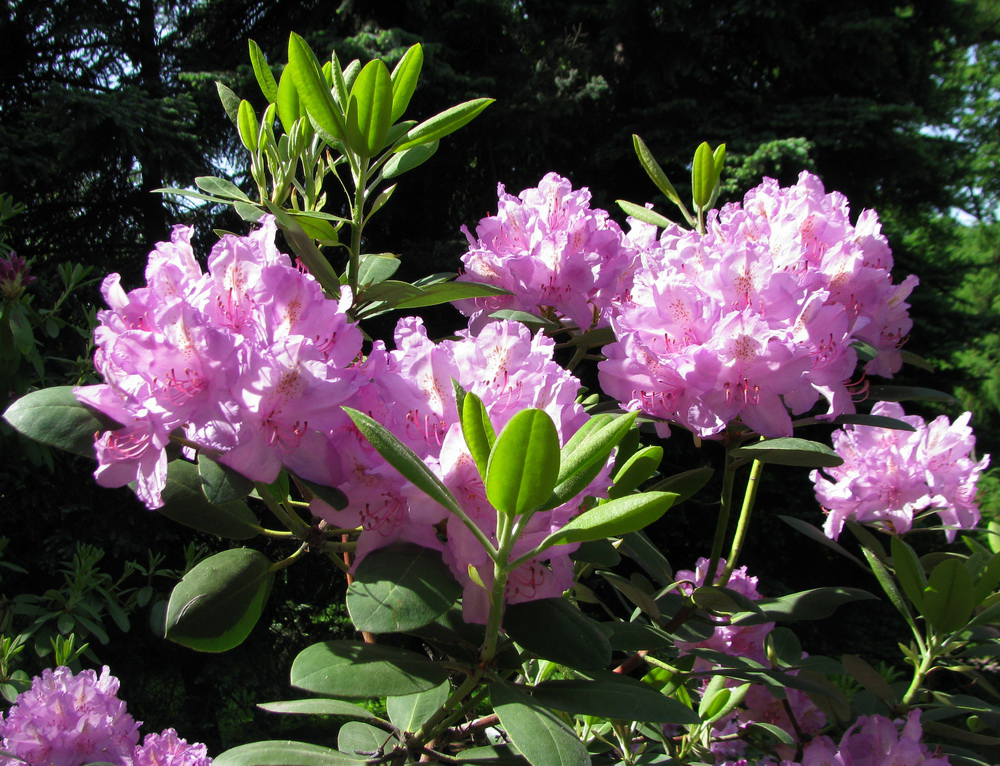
pixel 812 604
pixel 949 597
pixel 685 484
pixel 988 579
pixel 533 321
pixel 478 431
pixel 400 588
pixel 356 670
pixel 185 501
pixel 261 70
pixel 322 231
pixel 287 101
pixel 221 484
pixel 908 393
pixel 283 753
pixel 376 268
pixel 601 553
pixel 541 736
pixel 404 460
pixel 523 464
pixel 885 579
pixel 405 161
pixel 612 695
pixel 370 106
pixel 638 596
pixel 363 741
pixel 644 214
pixel 220 187
pixel 215 606
pixel 404 79
pixel 304 247
pixel 312 88
pixel 556 630
pixel 230 102
pixel 54 417
pixel 443 292
pixel 908 571
pixel 881 421
pixel 703 176
pixel 594 447
pixel 444 123
pixel 247 126
pixel 407 713
pixel 318 706
pixel 637 469
pixel 788 450
pixel 714 598
pixel 615 517
pixel 654 171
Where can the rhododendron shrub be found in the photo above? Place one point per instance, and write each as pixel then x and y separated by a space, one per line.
pixel 482 504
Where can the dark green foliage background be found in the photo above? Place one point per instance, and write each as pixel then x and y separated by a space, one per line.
pixel 891 103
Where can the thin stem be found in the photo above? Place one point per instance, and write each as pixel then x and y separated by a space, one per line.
pixel 287 562
pixel 297 526
pixel 927 660
pixel 725 505
pixel 357 225
pixel 426 731
pixel 743 523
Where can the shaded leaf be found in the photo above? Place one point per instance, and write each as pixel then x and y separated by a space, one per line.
pixel 184 501
pixel 318 706
pixel 788 450
pixel 283 753
pixel 538 733
pixel 612 695
pixel 54 417
pixel 556 630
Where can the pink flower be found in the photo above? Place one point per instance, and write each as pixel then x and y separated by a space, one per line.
pixel 69 720
pixel 15 276
pixel 874 741
pixel 756 316
pixel 889 476
pixel 556 255
pixel 167 749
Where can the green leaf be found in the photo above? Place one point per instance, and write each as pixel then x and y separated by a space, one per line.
pixel 637 469
pixel 612 695
pixel 216 605
pixel 443 292
pixel 404 460
pixel 220 187
pixel 404 79
pixel 221 484
pixel 230 102
pixel 306 249
pixel 400 588
pixel 949 597
pixel 184 501
pixel 247 126
pixel 812 604
pixel 715 598
pixel 685 484
pixel 869 678
pixel 287 100
pixel 908 571
pixel 601 436
pixel 362 740
pixel 316 228
pixel 444 123
pixel 370 107
pixel 644 214
pixel 532 321
pixel 376 267
pixel 357 670
pixel 788 450
pixel 654 171
pixel 556 630
pixel 538 733
pixel 54 417
pixel 908 393
pixel 283 753
pixel 861 419
pixel 329 495
pixel 409 712
pixel 523 464
pixel 407 160
pixel 637 636
pixel 261 70
pixel 615 517
pixel 703 176
pixel 318 706
pixel 638 547
pixel 312 88
pixel 478 431
pixel 988 578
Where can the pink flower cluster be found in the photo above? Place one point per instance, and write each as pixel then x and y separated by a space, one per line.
pixel 871 741
pixel 249 361
pixel 69 720
pixel 412 394
pixel 558 257
pixel 890 476
pixel 757 315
